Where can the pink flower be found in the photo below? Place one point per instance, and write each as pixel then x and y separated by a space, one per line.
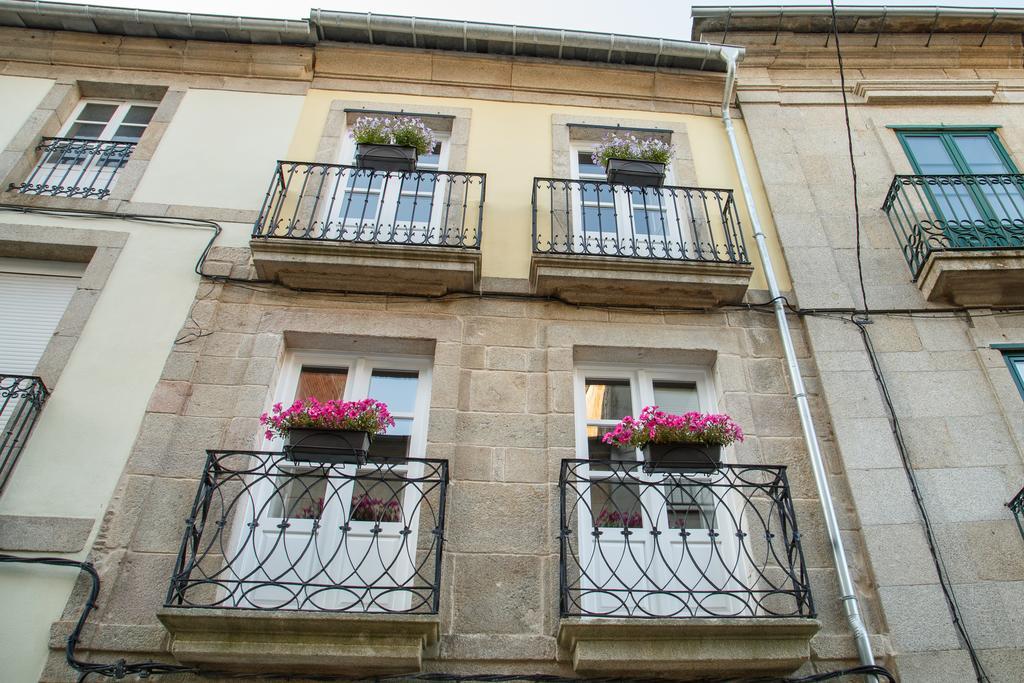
pixel 657 426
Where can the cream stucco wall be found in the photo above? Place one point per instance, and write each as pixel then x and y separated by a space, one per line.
pixel 72 463
pixel 219 149
pixel 19 97
pixel 511 143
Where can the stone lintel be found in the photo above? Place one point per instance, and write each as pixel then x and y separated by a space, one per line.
pixel 974 278
pixel 367 268
pixel 938 91
pixel 602 646
pixel 293 642
pixel 611 280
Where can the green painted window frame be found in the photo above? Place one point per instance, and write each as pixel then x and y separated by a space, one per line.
pixel 1011 356
pixel 946 135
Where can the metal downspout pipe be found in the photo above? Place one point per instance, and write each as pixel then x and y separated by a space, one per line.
pixel 849 596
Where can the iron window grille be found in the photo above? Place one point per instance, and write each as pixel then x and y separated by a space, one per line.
pixel 73 167
pixel 21 399
pixel 598 218
pixel 267 533
pixel 337 203
pixel 718 544
pixel 930 213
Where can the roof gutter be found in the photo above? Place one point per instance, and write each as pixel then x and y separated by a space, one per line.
pixel 849 600
pixel 522 35
pixel 704 12
pixel 290 30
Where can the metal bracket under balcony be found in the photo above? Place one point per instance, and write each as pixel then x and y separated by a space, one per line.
pixel 700 572
pixel 328 226
pixel 961 235
pixel 599 242
pixel 291 567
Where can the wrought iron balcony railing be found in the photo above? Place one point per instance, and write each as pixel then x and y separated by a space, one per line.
pixel 1016 506
pixel 955 212
pixel 21 399
pixel 71 167
pixel 717 544
pixel 594 218
pixel 268 533
pixel 333 203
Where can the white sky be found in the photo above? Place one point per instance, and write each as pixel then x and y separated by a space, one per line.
pixel 657 18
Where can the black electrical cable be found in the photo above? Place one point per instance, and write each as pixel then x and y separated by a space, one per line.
pixel 849 144
pixel 121 668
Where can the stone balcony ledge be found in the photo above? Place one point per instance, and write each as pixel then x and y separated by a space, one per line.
pixel 603 646
pixel 294 642
pixel 989 277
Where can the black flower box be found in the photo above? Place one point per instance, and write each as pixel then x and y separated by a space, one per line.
pixel 332 446
pixel 681 457
pixel 386 157
pixel 636 173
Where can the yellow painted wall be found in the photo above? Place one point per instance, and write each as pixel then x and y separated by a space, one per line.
pixel 18 98
pixel 511 143
pixel 220 149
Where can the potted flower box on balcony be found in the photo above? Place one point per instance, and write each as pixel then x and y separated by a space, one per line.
pixel 391 143
pixel 333 446
pixel 681 457
pixel 334 432
pixel 691 442
pixel 400 158
pixel 636 172
pixel 629 160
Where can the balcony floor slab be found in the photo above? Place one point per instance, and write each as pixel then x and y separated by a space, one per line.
pixel 624 281
pixel 293 642
pixel 974 278
pixel 367 268
pixel 607 646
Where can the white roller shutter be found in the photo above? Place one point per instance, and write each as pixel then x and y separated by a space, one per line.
pixel 31 306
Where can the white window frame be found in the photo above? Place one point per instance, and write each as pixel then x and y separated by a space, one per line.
pixel 626 229
pixel 115 120
pixel 394 188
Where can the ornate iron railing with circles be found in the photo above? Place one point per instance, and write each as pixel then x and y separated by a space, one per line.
pixel 596 218
pixel 335 203
pixel 722 543
pixel 21 399
pixel 932 213
pixel 72 167
pixel 268 533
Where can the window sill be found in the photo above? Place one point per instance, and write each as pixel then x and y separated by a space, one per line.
pixel 283 641
pixel 606 646
pixel 974 278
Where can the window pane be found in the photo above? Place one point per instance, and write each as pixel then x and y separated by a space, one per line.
pixel 414 209
pixel 691 506
pixel 364 180
pixel 431 159
pixel 599 219
pixel 588 167
pixel 598 451
pixel 931 155
pixel 615 505
pixel 323 384
pixel 649 223
pixel 676 397
pixel 97 112
pixel 396 388
pixel 394 444
pixel 608 399
pixel 360 206
pixel 377 498
pixel 129 133
pixel 981 155
pixel 139 114
pixel 596 193
pixel 88 131
pixel 300 497
pixel 418 183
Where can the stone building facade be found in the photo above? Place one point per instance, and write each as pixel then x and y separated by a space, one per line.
pixel 513 333
pixel 945 309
